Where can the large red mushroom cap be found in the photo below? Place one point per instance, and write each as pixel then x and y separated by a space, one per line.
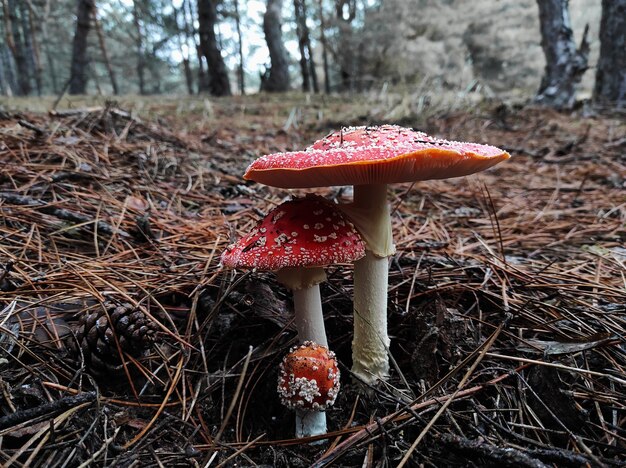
pixel 309 377
pixel 305 232
pixel 373 155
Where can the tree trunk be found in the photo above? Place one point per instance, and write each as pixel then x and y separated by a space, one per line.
pixel 302 33
pixel 17 46
pixel 154 72
pixel 242 84
pixel 8 82
pixel 184 49
pixel 565 64
pixel 5 89
pixel 311 61
pixel 610 87
pixel 188 75
pixel 346 12
pixel 46 46
pixel 203 79
pixel 8 71
pixel 105 54
pixel 324 47
pixel 190 32
pixel 80 59
pixel 218 84
pixel 307 63
pixel 28 25
pixel 277 79
pixel 141 64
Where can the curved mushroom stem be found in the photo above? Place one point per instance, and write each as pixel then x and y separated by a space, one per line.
pixel 370 214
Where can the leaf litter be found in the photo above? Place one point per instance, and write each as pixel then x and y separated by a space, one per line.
pixel 507 293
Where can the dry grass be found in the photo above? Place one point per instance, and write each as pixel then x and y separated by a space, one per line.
pixel 506 295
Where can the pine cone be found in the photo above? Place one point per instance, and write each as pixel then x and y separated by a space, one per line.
pixel 99 328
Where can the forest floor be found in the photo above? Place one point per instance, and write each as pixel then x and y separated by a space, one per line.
pixel 507 292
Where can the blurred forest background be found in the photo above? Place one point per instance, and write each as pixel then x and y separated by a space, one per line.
pixel 222 47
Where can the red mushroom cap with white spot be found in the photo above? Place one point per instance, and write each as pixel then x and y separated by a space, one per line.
pixel 305 232
pixel 309 377
pixel 373 155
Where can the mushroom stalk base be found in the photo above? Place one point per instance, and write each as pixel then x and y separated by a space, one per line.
pixel 309 320
pixel 310 423
pixel 370 361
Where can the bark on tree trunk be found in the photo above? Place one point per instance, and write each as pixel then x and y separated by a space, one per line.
pixel 17 46
pixel 105 54
pixel 28 45
pixel 33 45
pixel 139 49
pixel 9 72
pixel 277 79
pixel 3 86
pixel 184 50
pixel 188 75
pixel 190 31
pixel 5 89
pixel 80 59
pixel 610 87
pixel 242 84
pixel 5 67
pixel 218 84
pixel 565 64
pixel 324 47
pixel 154 72
pixel 346 12
pixel 307 63
pixel 46 45
pixel 302 33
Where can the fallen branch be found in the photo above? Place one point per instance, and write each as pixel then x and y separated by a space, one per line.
pixel 49 409
pixel 31 126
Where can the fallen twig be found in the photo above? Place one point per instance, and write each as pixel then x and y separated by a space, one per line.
pixel 48 410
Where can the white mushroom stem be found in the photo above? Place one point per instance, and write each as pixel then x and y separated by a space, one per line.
pixel 309 321
pixel 310 423
pixel 307 302
pixel 370 214
pixel 370 361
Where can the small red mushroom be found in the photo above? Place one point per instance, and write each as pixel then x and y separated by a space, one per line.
pixel 308 382
pixel 309 377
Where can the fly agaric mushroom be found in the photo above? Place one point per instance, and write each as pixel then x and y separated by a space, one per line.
pixel 297 239
pixel 370 158
pixel 308 382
